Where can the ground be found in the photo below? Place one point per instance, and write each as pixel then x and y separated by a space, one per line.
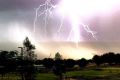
pixel 108 73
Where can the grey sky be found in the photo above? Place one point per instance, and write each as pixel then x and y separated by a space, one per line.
pixel 22 12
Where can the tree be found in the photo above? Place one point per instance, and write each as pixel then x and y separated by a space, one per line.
pixel 82 62
pixel 8 61
pixel 117 58
pixel 108 58
pixel 27 64
pixel 48 62
pixel 58 56
pixel 4 55
pixel 13 54
pixel 38 62
pixel 12 60
pixel 3 62
pixel 69 63
pixel 28 49
pixel 59 67
pixel 97 60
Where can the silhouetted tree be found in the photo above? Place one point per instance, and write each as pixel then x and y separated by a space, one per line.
pixel 97 60
pixel 3 60
pixel 38 62
pixel 59 67
pixel 69 63
pixel 13 54
pixel 8 61
pixel 82 62
pixel 4 55
pixel 111 58
pixel 48 62
pixel 117 58
pixel 90 61
pixel 108 58
pixel 12 60
pixel 27 63
pixel 58 56
pixel 28 49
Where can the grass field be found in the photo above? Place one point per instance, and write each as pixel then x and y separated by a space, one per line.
pixel 10 76
pixel 109 73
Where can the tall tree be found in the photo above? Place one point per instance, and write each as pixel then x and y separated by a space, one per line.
pixel 97 60
pixel 82 62
pixel 58 56
pixel 13 54
pixel 59 67
pixel 70 63
pixel 27 69
pixel 8 61
pixel 28 49
pixel 48 62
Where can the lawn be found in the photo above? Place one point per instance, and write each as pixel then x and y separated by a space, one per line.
pixel 46 76
pixel 110 73
pixel 10 76
pixel 90 74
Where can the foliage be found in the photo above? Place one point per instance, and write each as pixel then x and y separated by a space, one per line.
pixel 48 62
pixel 28 49
pixel 59 67
pixel 82 62
pixel 27 67
pixel 97 60
pixel 58 56
pixel 69 63
pixel 110 58
pixel 38 62
pixel 10 61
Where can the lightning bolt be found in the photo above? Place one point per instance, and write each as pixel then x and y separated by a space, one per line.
pixel 74 32
pixel 87 28
pixel 47 12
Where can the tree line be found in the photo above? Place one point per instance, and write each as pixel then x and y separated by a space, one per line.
pixel 24 63
pixel 110 58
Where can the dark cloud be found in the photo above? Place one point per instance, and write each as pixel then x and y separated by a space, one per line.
pixel 21 4
pixel 22 12
pixel 18 4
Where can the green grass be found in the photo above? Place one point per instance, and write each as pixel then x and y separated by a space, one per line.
pixel 46 76
pixel 109 73
pixel 10 76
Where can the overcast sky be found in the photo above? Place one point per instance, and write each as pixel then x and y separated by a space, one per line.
pixel 17 21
